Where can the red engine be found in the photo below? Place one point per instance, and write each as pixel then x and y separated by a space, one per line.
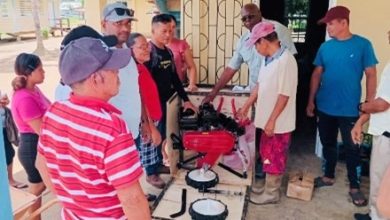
pixel 211 143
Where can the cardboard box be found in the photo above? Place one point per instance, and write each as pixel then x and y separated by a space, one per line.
pixel 300 186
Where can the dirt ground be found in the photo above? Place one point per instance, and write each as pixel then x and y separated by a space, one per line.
pixel 327 203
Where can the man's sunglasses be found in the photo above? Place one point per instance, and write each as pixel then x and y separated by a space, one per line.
pixel 247 17
pixel 123 11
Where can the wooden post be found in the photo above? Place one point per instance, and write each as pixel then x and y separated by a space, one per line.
pixel 62 30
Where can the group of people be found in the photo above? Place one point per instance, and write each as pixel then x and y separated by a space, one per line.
pixel 335 92
pixel 108 122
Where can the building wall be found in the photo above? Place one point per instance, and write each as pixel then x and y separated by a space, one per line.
pixel 212 28
pixel 13 19
pixel 371 20
pixel 142 13
pixel 93 10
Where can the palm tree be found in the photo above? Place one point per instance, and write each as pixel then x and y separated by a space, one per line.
pixel 35 11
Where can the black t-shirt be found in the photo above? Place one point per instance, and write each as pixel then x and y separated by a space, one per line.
pixel 162 68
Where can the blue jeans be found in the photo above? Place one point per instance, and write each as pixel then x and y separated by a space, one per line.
pixel 328 127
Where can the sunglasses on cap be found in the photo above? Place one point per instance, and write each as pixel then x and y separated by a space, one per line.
pixel 247 17
pixel 122 11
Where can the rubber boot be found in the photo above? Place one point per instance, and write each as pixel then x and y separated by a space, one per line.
pixel 271 193
pixel 258 186
pixel 259 170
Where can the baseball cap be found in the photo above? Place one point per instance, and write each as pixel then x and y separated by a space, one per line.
pixel 334 13
pixel 260 30
pixel 84 56
pixel 86 31
pixel 116 12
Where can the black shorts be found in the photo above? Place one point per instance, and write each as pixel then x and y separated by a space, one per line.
pixel 27 154
pixel 8 148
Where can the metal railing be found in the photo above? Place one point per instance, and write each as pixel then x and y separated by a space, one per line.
pixel 297 24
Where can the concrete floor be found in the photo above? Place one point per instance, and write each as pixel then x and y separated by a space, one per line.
pixel 327 203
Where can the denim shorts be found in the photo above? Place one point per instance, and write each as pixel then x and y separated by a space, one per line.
pixel 27 154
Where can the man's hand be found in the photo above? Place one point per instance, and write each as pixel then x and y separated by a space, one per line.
pixel 242 114
pixel 155 135
pixel 145 132
pixel 189 105
pixel 209 98
pixel 310 109
pixel 269 128
pixel 192 88
pixel 356 133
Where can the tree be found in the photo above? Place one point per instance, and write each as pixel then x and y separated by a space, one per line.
pixel 298 7
pixel 38 33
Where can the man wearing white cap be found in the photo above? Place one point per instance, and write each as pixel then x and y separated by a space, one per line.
pixel 275 93
pixel 116 20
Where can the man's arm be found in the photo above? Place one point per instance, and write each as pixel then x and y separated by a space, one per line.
pixel 357 130
pixel 145 131
pixel 370 83
pixel 124 173
pixel 314 84
pixel 374 106
pixel 226 76
pixel 243 112
pixel 134 203
pixel 155 135
pixel 189 60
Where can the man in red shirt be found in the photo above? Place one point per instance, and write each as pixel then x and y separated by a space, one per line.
pixel 86 153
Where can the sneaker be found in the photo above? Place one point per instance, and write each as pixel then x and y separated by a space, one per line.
pixel 360 216
pixel 155 181
pixel 163 170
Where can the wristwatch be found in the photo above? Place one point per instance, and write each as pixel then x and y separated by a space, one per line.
pixel 360 107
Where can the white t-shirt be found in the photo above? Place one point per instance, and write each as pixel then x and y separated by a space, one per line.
pixel 380 122
pixel 279 77
pixel 250 56
pixel 128 99
pixel 62 92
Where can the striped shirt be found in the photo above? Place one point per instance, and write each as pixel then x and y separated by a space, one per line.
pixel 90 153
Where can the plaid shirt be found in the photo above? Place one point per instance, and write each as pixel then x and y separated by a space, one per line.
pixel 148 154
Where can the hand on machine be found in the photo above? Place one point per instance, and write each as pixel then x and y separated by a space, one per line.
pixel 209 132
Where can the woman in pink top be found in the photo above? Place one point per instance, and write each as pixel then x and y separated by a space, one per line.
pixel 28 107
pixel 184 61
